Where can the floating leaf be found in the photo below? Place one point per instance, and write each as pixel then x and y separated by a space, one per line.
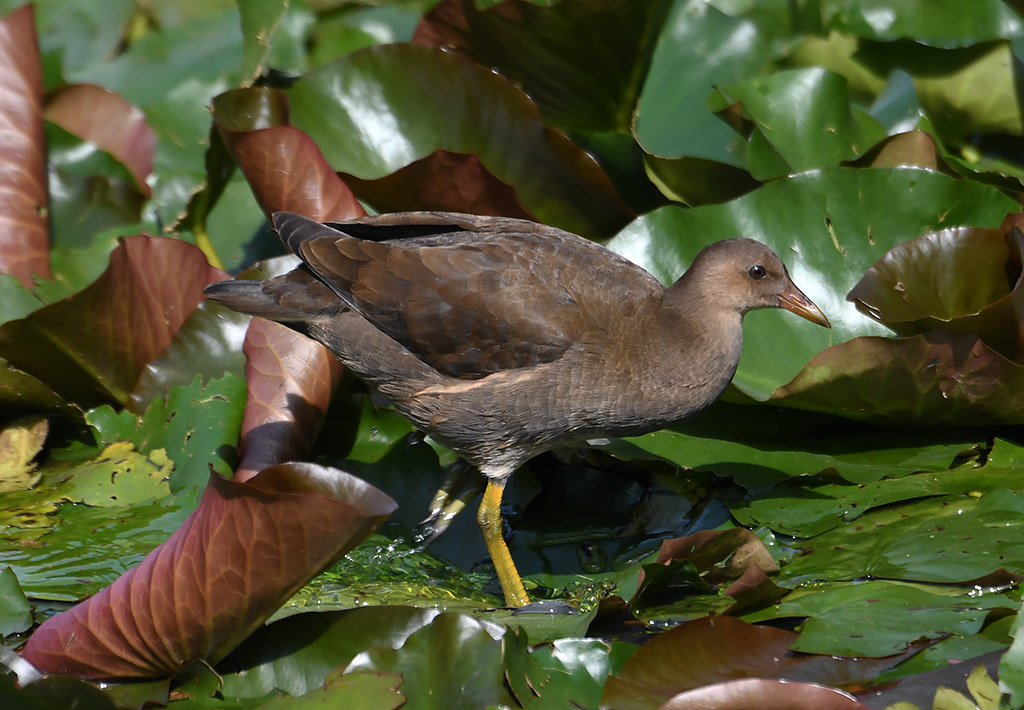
pixel 962 279
pixel 454 660
pixel 763 694
pixel 15 611
pixel 106 120
pixel 801 120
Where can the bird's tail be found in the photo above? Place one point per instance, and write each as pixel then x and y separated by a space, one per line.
pixel 308 306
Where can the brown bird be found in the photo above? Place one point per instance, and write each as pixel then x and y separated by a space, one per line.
pixel 504 338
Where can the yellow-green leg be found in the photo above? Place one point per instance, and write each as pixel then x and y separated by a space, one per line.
pixel 489 518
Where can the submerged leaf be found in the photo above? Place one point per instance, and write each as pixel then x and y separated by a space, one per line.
pixel 20 441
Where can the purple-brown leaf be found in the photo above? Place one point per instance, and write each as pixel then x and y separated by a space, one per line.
pixel 109 122
pixel 443 181
pixel 93 346
pixel 290 380
pixel 939 377
pixel 963 279
pixel 763 694
pixel 282 165
pixel 24 225
pixel 719 555
pixel 246 549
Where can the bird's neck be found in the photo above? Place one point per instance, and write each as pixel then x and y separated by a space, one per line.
pixel 700 344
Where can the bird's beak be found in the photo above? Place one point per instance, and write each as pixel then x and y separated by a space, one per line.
pixel 793 299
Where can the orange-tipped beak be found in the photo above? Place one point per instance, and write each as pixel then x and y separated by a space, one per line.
pixel 793 299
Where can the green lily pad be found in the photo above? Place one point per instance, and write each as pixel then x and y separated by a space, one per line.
pixel 454 660
pixel 875 619
pixel 15 611
pixel 568 672
pixel 948 539
pixel 802 120
pixel 701 47
pixel 319 643
pixel 810 509
pixel 1011 667
pixel 951 25
pixel 759 447
pixel 196 425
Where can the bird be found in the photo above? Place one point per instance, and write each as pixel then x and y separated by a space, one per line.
pixel 503 338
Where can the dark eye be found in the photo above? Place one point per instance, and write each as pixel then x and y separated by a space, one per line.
pixel 757 272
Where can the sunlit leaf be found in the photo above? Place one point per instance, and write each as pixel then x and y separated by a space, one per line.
pixel 23 200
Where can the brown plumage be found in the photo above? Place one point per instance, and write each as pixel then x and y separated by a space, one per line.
pixel 504 338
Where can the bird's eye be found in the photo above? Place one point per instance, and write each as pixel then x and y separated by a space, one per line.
pixel 757 272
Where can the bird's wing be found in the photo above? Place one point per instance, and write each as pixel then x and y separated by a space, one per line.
pixel 469 295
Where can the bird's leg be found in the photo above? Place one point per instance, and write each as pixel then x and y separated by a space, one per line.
pixel 489 518
pixel 462 483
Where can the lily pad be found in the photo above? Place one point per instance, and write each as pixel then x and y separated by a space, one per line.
pixel 896 614
pixel 376 99
pixel 961 279
pixel 454 660
pixel 20 441
pixel 542 48
pixel 15 611
pixel 801 120
pixel 948 539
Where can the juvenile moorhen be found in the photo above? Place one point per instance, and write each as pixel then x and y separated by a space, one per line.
pixel 504 338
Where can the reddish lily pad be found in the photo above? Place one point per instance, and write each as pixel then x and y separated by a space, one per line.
pixel 284 168
pixel 106 120
pixel 93 346
pixel 443 181
pixel 24 226
pixel 962 279
pixel 245 549
pixel 940 377
pixel 763 694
